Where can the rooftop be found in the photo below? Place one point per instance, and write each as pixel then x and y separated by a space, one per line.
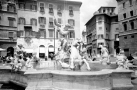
pixel 106 7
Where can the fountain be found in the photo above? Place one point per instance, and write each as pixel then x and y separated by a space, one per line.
pixel 91 75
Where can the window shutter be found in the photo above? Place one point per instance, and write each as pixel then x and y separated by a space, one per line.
pixel 73 22
pixel 44 33
pixel 18 33
pixel 39 20
pixel 38 34
pixel 35 21
pixel 73 34
pixel 44 20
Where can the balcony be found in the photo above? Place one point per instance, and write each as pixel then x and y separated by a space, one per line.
pixel 59 13
pixel 42 26
pixel 128 32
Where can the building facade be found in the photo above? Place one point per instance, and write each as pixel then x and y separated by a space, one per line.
pixel 36 29
pixel 8 26
pixel 102 29
pixel 127 16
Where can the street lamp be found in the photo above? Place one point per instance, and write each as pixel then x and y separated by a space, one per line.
pixel 54 40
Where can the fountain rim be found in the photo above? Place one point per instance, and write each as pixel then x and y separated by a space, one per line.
pixel 76 73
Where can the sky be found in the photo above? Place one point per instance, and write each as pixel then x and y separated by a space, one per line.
pixel 90 6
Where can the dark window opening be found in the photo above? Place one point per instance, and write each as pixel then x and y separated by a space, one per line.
pixel 130 2
pixel 132 25
pixel 132 36
pixel 124 15
pixel 131 13
pixel 125 37
pixel 125 27
pixel 124 5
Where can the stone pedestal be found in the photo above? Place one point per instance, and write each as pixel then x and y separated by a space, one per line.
pixel 121 79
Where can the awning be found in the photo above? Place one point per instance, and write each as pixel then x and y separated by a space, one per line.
pixel 51 49
pixel 2 49
pixel 11 18
pixel 28 50
pixel 41 49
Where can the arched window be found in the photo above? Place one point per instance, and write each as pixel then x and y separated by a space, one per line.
pixel 125 27
pixel 33 21
pixel 132 25
pixel 22 20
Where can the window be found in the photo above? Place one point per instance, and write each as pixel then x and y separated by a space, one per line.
pixel 100 28
pixel 132 24
pixel 124 15
pixel 131 13
pixel 124 5
pixel 71 10
pixel 104 10
pixel 21 6
pixel 99 22
pixel 10 35
pixel 11 8
pixel 51 33
pixel 0 5
pixel 125 37
pixel 42 20
pixel 59 10
pixel 11 21
pixel 71 34
pixel 125 26
pixel 51 9
pixel 42 7
pixel 57 34
pixel 33 21
pixel 117 29
pixel 51 22
pixel 132 36
pixel 42 33
pixel 0 19
pixel 71 22
pixel 130 2
pixel 100 18
pixel 100 36
pixel 22 21
pixel 34 6
pixel 28 31
pixel 107 36
pixel 20 33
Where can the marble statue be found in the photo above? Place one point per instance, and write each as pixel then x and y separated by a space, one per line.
pixel 62 29
pixel 104 55
pixel 122 60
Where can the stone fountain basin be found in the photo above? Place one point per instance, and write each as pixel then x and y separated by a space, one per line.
pixel 106 79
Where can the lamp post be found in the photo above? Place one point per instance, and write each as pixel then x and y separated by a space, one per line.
pixel 54 40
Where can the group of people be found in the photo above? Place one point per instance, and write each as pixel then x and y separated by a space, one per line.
pixel 18 62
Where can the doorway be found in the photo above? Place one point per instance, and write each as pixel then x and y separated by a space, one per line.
pixel 42 51
pixel 126 51
pixel 10 51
